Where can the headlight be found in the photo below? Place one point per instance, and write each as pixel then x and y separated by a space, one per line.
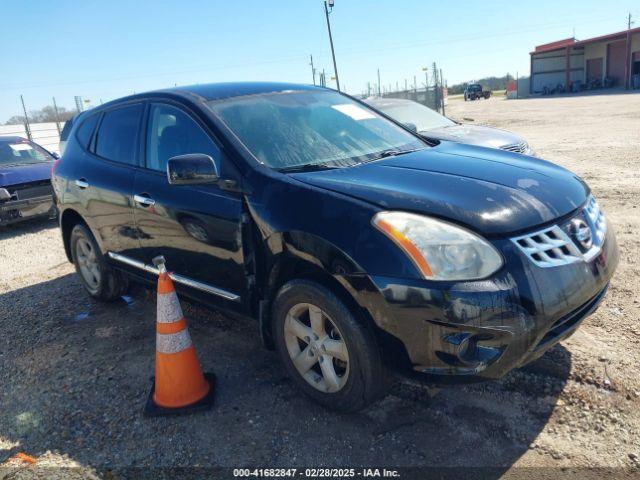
pixel 440 250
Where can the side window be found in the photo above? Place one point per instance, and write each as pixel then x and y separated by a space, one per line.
pixel 85 130
pixel 172 132
pixel 118 134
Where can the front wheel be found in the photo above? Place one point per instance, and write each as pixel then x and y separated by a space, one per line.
pixel 97 277
pixel 331 355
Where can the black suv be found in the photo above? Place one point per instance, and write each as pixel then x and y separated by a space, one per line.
pixel 360 247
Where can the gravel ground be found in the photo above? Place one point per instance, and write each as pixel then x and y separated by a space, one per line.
pixel 74 374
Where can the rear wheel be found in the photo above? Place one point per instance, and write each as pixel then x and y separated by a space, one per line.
pixel 97 277
pixel 332 357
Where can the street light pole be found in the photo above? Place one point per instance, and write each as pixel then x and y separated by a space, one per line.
pixel 333 53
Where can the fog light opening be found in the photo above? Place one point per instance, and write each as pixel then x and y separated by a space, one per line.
pixel 466 351
pixel 472 350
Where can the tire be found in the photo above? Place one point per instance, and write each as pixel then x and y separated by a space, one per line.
pixel 360 380
pixel 109 284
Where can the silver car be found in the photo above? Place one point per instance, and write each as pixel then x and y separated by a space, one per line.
pixel 431 124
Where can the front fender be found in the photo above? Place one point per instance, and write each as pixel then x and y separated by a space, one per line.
pixel 320 252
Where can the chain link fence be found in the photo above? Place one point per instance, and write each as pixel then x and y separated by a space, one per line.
pixel 432 97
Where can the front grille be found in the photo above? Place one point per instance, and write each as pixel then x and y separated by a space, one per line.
pixel 30 190
pixel 598 222
pixel 553 246
pixel 521 147
pixel 549 247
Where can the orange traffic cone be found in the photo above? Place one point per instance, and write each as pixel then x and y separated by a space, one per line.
pixel 179 386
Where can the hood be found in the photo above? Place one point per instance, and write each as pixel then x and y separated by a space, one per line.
pixel 15 174
pixel 475 135
pixel 491 191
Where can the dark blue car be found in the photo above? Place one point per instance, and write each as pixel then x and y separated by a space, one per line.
pixel 360 247
pixel 25 180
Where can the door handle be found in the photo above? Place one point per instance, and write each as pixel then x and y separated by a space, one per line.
pixel 144 200
pixel 82 183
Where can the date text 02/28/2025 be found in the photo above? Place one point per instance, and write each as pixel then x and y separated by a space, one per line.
pixel 316 472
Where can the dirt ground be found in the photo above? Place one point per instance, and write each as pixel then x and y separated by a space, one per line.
pixel 74 374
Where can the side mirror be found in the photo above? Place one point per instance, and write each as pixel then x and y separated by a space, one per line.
pixel 192 169
pixel 412 127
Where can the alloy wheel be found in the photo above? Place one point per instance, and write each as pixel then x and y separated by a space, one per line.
pixel 88 263
pixel 316 347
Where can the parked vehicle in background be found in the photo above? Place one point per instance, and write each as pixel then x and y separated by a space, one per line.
pixel 360 247
pixel 25 180
pixel 433 126
pixel 474 91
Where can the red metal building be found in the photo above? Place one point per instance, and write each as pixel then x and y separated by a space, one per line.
pixel 609 60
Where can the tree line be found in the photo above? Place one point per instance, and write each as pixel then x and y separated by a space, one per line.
pixel 45 114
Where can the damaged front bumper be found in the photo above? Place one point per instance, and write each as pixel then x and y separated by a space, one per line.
pixel 13 211
pixel 467 331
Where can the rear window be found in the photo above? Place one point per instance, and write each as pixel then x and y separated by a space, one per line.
pixel 86 130
pixel 22 152
pixel 117 136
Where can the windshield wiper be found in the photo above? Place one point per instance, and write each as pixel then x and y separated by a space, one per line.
pixel 308 167
pixel 393 152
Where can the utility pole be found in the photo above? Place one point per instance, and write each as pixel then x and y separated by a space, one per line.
pixel 435 87
pixel 415 84
pixel 333 53
pixel 405 85
pixel 313 70
pixel 426 78
pixel 442 90
pixel 26 119
pixel 629 22
pixel 55 109
pixel 379 83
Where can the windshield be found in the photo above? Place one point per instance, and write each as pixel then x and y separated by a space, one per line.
pixel 22 152
pixel 287 130
pixel 411 112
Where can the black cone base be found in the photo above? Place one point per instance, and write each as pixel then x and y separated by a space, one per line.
pixel 153 410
